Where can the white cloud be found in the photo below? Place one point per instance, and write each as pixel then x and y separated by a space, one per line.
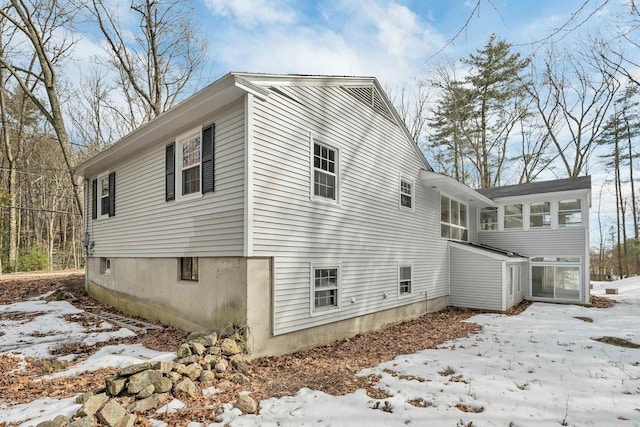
pixel 254 12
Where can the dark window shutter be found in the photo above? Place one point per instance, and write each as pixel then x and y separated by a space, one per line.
pixel 94 199
pixel 208 148
pixel 170 172
pixel 112 194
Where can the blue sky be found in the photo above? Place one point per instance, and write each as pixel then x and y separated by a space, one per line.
pixel 392 40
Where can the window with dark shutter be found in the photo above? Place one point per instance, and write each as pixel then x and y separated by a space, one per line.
pixel 170 171
pixel 208 148
pixel 94 199
pixel 112 194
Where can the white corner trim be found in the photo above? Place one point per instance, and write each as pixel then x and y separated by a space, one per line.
pixel 248 175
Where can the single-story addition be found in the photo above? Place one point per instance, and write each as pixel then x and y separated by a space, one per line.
pixel 300 207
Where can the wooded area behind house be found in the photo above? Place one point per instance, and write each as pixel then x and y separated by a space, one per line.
pixel 502 115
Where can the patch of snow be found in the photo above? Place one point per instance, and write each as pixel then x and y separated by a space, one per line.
pixel 171 407
pixel 33 413
pixel 210 390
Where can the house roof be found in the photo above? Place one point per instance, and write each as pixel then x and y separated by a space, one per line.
pixel 489 251
pixel 566 184
pixel 454 188
pixel 223 91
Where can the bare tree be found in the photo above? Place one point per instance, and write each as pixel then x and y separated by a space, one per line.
pixel 156 64
pixel 41 23
pixel 572 95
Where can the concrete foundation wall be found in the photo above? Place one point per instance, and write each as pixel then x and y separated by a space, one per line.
pixel 262 343
pixel 233 289
pixel 150 288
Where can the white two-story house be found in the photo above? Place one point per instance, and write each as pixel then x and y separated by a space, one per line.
pixel 301 208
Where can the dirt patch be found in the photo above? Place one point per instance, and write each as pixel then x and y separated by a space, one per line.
pixel 517 309
pixel 620 342
pixel 584 319
pixel 601 302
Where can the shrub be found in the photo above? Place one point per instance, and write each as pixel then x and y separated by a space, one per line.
pixel 36 259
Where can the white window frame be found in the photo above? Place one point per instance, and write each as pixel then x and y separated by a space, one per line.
pixel 560 212
pixel 531 214
pixel 410 194
pixel 505 216
pixel 181 140
pixel 105 265
pixel 497 223
pixel 312 286
pixel 336 173
pixel 562 262
pixel 450 224
pixel 104 177
pixel 411 280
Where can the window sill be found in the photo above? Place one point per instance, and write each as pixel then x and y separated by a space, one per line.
pixel 188 197
pixel 322 311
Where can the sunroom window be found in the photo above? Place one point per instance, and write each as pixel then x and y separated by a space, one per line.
pixel 569 213
pixel 489 218
pixel 513 216
pixel 453 219
pixel 540 216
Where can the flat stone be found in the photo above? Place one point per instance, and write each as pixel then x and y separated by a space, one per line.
pixel 207 377
pixel 59 421
pixel 246 404
pixel 82 422
pixel 184 350
pixel 133 369
pixel 111 413
pixel 215 350
pixel 174 377
pixel 83 397
pixel 230 347
pixel 128 420
pixel 163 385
pixel 145 392
pixel 150 402
pixel 611 291
pixel 188 360
pixel 197 348
pixel 142 380
pixel 210 359
pixel 163 367
pixel 180 368
pixel 222 366
pixel 115 385
pixel 193 371
pixel 187 388
pixel 92 405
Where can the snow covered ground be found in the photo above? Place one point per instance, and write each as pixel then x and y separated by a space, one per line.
pixel 542 367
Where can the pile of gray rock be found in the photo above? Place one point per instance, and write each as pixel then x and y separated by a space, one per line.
pixel 203 359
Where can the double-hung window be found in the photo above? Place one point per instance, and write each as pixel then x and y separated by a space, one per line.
pixel 453 219
pixel 569 213
pixel 324 171
pixel 405 275
pixel 104 196
pixel 325 288
pixel 190 170
pixel 406 193
pixel 189 164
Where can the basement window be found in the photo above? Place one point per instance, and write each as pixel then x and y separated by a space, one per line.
pixel 189 269
pixel 105 265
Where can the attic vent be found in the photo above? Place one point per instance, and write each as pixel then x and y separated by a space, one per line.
pixel 370 96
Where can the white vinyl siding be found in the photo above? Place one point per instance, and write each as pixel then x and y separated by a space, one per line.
pixel 148 226
pixel 568 242
pixel 366 231
pixel 476 280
